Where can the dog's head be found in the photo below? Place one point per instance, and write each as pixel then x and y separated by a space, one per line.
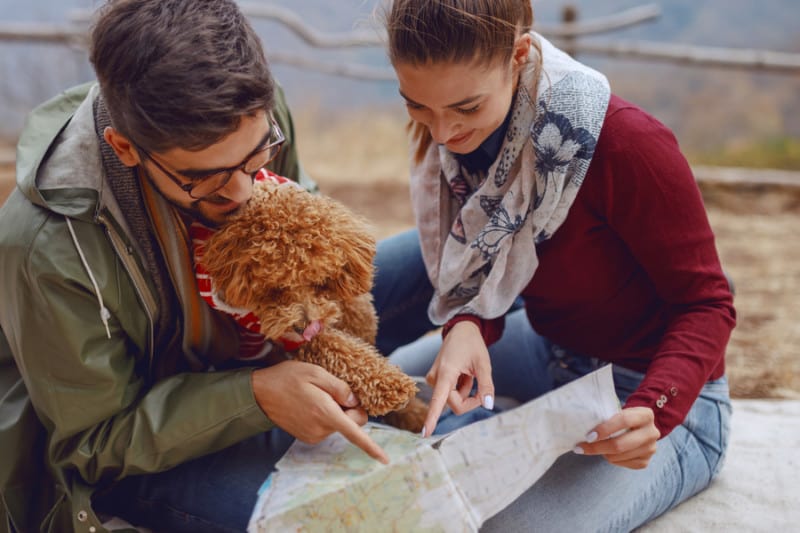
pixel 290 257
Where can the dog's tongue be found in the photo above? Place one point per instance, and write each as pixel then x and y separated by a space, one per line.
pixel 312 329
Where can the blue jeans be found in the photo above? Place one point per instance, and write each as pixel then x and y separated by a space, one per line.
pixel 217 492
pixel 586 493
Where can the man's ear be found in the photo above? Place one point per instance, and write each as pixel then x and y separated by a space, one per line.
pixel 124 149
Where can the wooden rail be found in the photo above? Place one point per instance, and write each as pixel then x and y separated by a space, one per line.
pixel 697 55
pixel 747 176
pixel 348 70
pixel 568 33
pixel 313 37
pixel 319 39
pixel 24 32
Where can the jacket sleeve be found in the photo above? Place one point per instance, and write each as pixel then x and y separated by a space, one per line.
pixel 287 164
pixel 90 389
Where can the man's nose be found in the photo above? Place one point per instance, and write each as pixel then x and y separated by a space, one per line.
pixel 239 188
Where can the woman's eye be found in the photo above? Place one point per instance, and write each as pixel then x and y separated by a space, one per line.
pixel 469 110
pixel 414 105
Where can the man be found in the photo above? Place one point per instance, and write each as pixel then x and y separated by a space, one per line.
pixel 120 390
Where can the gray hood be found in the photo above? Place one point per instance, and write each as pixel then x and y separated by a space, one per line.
pixel 58 157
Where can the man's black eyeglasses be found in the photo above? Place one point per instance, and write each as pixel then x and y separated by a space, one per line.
pixel 203 186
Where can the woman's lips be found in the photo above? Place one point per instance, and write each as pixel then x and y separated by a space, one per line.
pixel 459 139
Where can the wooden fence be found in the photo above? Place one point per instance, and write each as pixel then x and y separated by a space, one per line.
pixel 570 34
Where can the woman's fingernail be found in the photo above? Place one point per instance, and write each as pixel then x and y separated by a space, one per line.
pixel 488 402
pixel 591 437
pixel 578 450
pixel 423 432
pixel 352 401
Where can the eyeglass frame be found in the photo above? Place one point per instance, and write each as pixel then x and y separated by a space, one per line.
pixel 194 183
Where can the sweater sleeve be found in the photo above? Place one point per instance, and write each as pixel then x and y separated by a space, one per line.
pixel 491 329
pixel 653 203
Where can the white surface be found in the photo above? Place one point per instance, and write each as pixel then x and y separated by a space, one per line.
pixel 758 489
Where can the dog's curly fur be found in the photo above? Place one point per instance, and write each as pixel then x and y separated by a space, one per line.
pixel 292 258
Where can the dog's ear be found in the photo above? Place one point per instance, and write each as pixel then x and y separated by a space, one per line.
pixel 238 255
pixel 228 265
pixel 353 236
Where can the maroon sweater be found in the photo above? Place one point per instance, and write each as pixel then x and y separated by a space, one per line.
pixel 632 276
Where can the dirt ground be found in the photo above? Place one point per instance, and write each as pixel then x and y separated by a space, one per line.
pixel 758 237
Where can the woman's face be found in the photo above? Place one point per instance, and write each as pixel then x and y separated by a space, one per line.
pixel 461 104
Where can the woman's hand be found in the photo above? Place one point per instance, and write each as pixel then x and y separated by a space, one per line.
pixel 626 439
pixel 462 359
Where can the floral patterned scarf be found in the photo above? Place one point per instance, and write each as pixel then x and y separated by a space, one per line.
pixel 479 233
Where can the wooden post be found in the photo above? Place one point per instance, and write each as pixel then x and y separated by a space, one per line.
pixel 569 16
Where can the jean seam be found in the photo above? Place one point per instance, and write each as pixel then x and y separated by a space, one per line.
pixel 187 518
pixel 724 440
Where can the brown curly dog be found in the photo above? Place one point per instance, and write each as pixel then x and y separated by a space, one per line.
pixel 303 265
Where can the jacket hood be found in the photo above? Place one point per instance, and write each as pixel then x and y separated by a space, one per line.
pixel 58 156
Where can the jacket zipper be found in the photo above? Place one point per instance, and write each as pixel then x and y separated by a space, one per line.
pixel 139 283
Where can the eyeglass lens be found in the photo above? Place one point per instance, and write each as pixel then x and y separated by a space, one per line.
pixel 210 184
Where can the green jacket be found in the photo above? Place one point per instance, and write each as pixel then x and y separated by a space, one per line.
pixel 78 409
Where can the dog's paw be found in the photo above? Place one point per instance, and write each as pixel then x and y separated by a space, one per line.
pixel 410 418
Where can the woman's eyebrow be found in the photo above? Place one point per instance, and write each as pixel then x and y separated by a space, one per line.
pixel 460 103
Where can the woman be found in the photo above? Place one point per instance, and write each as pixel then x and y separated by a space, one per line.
pixel 531 180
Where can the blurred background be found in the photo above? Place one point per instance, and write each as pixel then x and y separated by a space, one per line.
pixel 723 74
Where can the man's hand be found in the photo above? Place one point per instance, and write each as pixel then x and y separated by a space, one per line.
pixel 626 439
pixel 462 359
pixel 309 403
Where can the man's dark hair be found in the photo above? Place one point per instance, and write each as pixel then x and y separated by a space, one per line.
pixel 178 73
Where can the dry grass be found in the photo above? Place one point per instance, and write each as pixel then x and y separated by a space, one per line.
pixel 363 163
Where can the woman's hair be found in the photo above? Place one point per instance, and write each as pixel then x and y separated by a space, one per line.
pixel 421 32
pixel 483 32
pixel 178 73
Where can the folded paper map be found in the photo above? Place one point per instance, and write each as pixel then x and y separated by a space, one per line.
pixel 452 482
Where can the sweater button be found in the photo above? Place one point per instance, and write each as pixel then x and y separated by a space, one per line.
pixel 83 516
pixel 661 402
pixel 673 391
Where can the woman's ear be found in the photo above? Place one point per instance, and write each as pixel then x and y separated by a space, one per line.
pixel 124 149
pixel 522 48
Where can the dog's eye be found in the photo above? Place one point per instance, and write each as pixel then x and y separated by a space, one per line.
pixel 322 287
pixel 276 294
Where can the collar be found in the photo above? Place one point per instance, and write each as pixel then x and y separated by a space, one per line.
pixel 480 159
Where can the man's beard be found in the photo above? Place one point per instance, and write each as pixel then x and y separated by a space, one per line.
pixel 194 211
